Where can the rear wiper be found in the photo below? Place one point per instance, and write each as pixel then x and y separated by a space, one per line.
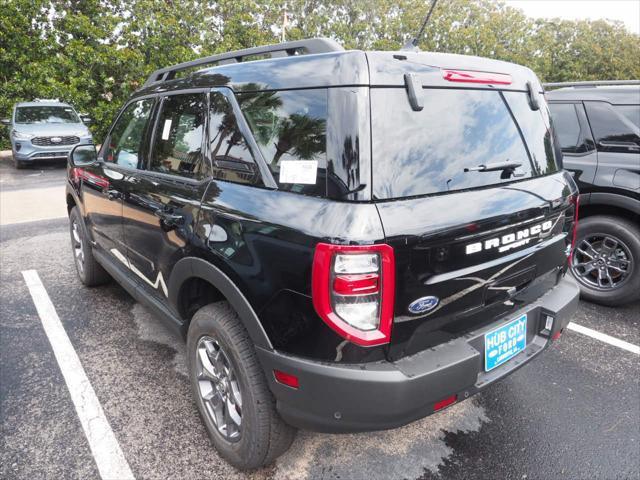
pixel 494 167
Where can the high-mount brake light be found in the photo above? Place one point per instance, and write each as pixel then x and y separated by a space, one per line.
pixel 353 290
pixel 469 76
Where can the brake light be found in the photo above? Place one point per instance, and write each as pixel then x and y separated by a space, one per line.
pixel 469 76
pixel 575 200
pixel 353 289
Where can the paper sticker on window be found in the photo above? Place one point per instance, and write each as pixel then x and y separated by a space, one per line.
pixel 298 171
pixel 166 129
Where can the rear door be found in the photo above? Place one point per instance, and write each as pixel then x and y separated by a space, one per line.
pixel 163 196
pixel 472 202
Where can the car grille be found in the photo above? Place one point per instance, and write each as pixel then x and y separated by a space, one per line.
pixel 51 155
pixel 46 141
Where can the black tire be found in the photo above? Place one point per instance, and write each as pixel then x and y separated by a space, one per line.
pixel 20 165
pixel 89 270
pixel 264 436
pixel 626 288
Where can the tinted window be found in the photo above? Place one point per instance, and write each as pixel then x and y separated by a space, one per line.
pixel 632 112
pixel 125 141
pixel 231 157
pixel 612 131
pixel 416 153
pixel 572 134
pixel 46 115
pixel 290 127
pixel 178 138
pixel 536 128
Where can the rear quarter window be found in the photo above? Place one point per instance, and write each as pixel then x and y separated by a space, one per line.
pixel 426 152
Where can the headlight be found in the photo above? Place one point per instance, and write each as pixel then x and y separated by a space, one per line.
pixel 21 136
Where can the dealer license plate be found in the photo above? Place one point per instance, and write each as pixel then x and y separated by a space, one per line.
pixel 505 342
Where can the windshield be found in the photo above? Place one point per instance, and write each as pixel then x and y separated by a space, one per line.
pixel 46 114
pixel 461 139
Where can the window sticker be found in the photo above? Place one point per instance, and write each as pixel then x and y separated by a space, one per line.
pixel 166 129
pixel 298 171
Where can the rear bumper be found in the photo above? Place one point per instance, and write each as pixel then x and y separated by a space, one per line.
pixel 382 395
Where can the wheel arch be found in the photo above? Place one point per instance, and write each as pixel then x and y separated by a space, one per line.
pixel 610 204
pixel 191 271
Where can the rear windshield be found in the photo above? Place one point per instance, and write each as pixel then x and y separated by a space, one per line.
pixel 46 115
pixel 461 139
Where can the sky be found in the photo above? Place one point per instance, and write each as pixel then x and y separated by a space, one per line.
pixel 628 11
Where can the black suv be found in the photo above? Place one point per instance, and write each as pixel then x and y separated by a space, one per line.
pixel 598 128
pixel 348 240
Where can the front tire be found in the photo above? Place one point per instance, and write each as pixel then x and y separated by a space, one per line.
pixel 231 391
pixel 18 164
pixel 90 272
pixel 606 261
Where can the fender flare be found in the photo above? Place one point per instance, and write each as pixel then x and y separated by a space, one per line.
pixel 190 267
pixel 613 200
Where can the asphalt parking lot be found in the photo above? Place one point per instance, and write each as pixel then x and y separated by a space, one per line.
pixel 573 413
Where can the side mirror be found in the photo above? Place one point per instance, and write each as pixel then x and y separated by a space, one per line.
pixel 6 121
pixel 83 156
pixel 86 119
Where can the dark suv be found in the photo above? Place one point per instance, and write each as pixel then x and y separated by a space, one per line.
pixel 348 240
pixel 598 128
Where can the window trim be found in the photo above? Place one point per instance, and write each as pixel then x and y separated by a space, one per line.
pixel 265 173
pixel 107 138
pixel 161 98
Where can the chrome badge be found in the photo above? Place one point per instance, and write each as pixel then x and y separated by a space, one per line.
pixel 423 304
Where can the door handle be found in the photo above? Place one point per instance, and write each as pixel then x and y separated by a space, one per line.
pixel 114 195
pixel 168 218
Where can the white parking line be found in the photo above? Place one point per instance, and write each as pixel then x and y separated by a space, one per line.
pixel 603 337
pixel 105 448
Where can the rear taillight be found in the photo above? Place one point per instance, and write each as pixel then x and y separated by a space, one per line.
pixel 469 76
pixel 575 200
pixel 353 290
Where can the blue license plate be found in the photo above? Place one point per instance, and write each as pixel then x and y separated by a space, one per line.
pixel 505 342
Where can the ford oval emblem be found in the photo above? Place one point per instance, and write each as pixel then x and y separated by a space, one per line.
pixel 424 304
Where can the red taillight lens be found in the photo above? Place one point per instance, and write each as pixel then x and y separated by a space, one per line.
pixel 363 284
pixel 286 379
pixel 469 76
pixel 353 289
pixel 445 402
pixel 576 205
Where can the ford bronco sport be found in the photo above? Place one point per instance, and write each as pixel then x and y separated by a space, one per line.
pixel 349 240
pixel 598 128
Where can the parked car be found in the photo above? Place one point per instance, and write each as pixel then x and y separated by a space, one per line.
pixel 45 130
pixel 598 127
pixel 348 240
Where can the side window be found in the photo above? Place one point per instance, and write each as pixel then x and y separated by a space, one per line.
pixel 567 125
pixel 125 141
pixel 177 144
pixel 231 157
pixel 632 112
pixel 290 130
pixel 614 132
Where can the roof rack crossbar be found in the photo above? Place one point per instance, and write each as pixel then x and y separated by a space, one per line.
pixel 309 46
pixel 591 83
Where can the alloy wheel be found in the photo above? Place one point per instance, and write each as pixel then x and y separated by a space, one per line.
pixel 78 251
pixel 602 262
pixel 219 388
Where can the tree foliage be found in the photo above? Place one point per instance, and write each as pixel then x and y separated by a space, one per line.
pixel 95 53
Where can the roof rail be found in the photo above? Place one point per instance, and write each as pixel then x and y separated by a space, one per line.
pixel 591 83
pixel 297 47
